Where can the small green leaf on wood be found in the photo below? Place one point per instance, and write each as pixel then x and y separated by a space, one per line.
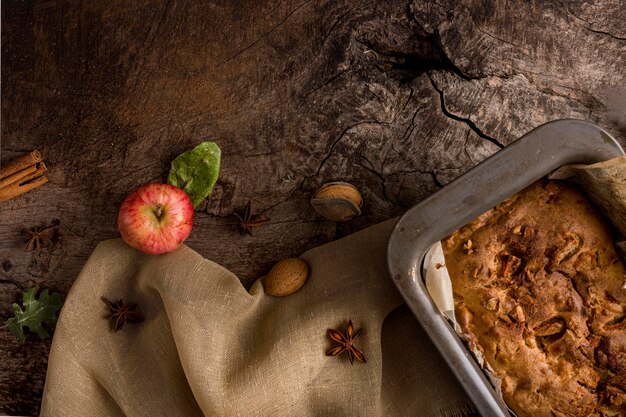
pixel 34 314
pixel 196 171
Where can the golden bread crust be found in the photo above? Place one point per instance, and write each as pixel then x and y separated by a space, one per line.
pixel 538 290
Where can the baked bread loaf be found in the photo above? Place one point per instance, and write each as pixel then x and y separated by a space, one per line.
pixel 538 291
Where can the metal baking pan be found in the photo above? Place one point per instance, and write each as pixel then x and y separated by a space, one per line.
pixel 508 171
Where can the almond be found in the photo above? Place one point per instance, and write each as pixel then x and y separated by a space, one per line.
pixel 337 201
pixel 286 277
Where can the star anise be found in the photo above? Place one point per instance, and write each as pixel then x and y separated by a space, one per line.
pixel 121 313
pixel 346 343
pixel 39 237
pixel 249 221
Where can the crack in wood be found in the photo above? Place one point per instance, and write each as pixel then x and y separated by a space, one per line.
pixel 605 33
pixel 325 39
pixel 445 58
pixel 339 138
pixel 467 121
pixel 431 173
pixel 407 133
pixel 265 35
pixel 377 174
pixel 588 24
pixel 328 81
pixel 11 282
pixel 491 35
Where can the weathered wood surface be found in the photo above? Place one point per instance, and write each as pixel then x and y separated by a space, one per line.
pixel 395 97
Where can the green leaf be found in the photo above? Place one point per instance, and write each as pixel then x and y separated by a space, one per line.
pixel 35 313
pixel 196 171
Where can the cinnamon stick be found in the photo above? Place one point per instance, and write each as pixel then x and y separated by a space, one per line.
pixel 19 175
pixel 22 181
pixel 20 163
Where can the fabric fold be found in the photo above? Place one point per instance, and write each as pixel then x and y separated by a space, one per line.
pixel 208 347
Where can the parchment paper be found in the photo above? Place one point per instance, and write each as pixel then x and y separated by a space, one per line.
pixel 605 184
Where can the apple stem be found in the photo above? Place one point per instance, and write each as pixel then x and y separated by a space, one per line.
pixel 159 211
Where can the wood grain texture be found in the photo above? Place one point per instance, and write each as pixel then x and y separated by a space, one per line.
pixel 396 97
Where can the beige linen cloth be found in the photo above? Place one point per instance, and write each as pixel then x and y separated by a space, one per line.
pixel 208 347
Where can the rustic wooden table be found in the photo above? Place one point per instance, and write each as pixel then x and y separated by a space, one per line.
pixel 395 97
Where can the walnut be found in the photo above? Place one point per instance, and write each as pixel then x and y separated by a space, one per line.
pixel 618 323
pixel 465 317
pixel 615 395
pixel 573 242
pixel 550 327
pixel 528 232
pixel 510 265
pixel 601 358
pixel 531 342
pixel 609 297
pixel 467 247
pixel 517 314
pixel 477 271
pixel 524 231
pixel 587 259
pixel 450 240
pixel 504 206
pixel 492 304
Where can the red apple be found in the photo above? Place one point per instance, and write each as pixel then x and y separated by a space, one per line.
pixel 156 218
